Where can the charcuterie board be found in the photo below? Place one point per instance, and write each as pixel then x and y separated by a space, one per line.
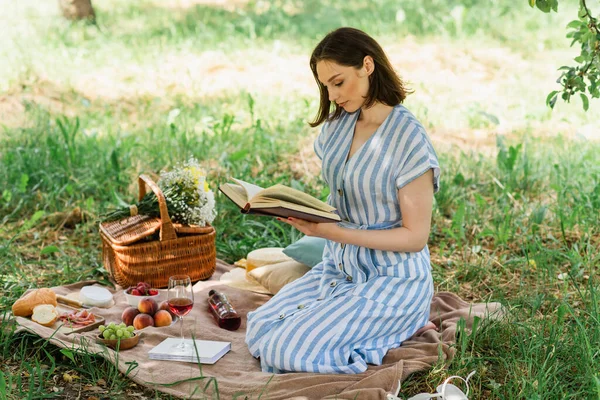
pixel 65 328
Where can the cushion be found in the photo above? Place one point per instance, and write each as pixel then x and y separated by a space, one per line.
pixel 237 278
pixel 274 276
pixel 265 256
pixel 308 250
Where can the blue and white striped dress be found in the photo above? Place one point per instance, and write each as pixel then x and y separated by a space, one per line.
pixel 358 303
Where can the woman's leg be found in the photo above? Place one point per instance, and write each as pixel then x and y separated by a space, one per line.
pixel 260 322
pixel 342 334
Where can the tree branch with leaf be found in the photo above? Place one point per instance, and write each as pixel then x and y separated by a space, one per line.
pixel 583 78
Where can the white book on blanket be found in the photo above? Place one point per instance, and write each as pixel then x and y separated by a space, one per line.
pixel 209 351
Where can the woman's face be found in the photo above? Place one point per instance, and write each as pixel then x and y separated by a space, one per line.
pixel 347 86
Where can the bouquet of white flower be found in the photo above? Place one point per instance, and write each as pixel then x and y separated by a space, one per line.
pixel 187 193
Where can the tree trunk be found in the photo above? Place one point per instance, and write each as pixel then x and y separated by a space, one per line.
pixel 77 9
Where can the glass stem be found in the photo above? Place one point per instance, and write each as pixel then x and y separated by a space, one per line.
pixel 181 324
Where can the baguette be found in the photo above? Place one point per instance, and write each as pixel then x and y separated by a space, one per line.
pixel 44 314
pixel 25 305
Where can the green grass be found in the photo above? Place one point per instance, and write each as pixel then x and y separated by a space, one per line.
pixel 516 220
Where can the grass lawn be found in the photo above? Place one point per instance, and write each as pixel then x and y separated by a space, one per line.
pixel 85 109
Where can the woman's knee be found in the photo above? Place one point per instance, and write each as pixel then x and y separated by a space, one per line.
pixel 278 353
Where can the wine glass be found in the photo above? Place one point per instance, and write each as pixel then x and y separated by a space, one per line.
pixel 180 300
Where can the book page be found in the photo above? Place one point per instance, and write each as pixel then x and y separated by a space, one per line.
pixel 236 193
pixel 284 209
pixel 290 195
pixel 250 189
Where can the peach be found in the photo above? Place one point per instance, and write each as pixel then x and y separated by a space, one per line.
pixel 162 318
pixel 128 315
pixel 164 305
pixel 142 321
pixel 148 306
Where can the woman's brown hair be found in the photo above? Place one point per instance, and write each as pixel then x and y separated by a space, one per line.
pixel 349 47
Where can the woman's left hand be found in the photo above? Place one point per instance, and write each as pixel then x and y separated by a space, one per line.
pixel 323 230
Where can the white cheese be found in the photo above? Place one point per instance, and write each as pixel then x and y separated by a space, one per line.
pixel 95 296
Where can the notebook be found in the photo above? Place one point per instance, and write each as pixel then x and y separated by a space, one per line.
pixel 208 350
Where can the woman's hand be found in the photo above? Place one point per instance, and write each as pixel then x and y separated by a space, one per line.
pixel 323 230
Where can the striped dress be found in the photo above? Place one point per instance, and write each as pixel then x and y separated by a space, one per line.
pixel 358 303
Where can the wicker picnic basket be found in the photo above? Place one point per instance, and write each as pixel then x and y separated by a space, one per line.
pixel 132 252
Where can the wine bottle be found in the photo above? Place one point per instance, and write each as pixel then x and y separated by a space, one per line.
pixel 223 311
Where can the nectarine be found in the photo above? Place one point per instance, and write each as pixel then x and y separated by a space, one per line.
pixel 162 318
pixel 164 305
pixel 128 315
pixel 142 321
pixel 147 306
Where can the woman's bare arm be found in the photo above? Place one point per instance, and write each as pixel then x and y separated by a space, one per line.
pixel 416 203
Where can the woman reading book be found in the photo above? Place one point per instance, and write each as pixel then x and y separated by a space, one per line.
pixel 373 288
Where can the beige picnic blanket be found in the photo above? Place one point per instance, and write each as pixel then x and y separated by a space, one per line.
pixel 238 372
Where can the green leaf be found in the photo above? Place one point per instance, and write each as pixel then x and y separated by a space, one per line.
pixel 537 215
pixel 119 200
pixel 75 129
pixel 238 155
pixel 7 195
pixel 586 102
pixel 68 353
pixel 33 220
pixel 532 3
pixel 89 203
pixel 574 24
pixel 114 160
pixel 69 189
pixel 459 179
pixel 63 130
pixel 49 250
pixel 3 387
pixel 579 83
pixel 562 311
pixel 544 5
pixel 580 59
pixel 23 183
pixel 554 5
pixel 551 99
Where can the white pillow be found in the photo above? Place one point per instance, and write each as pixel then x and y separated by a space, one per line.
pixel 274 276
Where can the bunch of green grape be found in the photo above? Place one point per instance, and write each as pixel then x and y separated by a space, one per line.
pixel 114 331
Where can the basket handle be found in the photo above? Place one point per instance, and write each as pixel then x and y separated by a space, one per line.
pixel 167 231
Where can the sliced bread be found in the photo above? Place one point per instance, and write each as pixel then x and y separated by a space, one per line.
pixel 24 306
pixel 45 314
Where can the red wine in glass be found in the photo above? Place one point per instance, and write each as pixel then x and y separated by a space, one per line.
pixel 180 299
pixel 180 306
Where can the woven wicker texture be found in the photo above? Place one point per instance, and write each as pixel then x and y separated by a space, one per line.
pixel 131 255
pixel 130 230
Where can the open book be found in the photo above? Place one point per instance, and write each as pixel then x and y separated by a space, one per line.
pixel 278 200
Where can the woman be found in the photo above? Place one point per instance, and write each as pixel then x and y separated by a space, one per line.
pixel 373 288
